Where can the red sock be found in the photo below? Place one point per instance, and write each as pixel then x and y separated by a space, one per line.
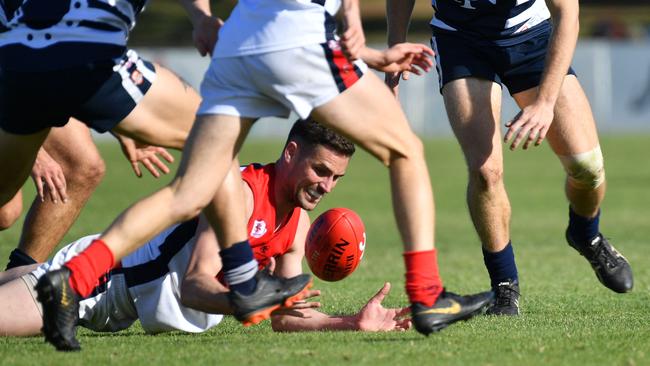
pixel 88 266
pixel 423 282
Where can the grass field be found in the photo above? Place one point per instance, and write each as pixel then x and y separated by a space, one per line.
pixel 567 316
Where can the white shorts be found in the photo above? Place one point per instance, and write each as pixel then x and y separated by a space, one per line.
pixel 108 309
pixel 146 286
pixel 274 84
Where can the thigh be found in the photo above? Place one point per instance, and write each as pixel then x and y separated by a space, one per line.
pixel 474 108
pixel 165 115
pixel 19 312
pixel 370 116
pixel 17 156
pixel 213 145
pixel 459 57
pixel 10 212
pixel 72 147
pixel 573 130
pixel 523 63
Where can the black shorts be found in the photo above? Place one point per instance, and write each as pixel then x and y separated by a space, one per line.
pixel 517 63
pixel 100 94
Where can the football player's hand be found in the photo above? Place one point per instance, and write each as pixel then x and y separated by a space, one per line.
pixel 530 124
pixel 407 57
pixel 146 155
pixel 374 317
pixel 48 178
pixel 206 33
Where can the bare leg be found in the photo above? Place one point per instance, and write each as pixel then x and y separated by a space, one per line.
pixel 10 212
pixel 223 213
pixel 573 131
pixel 46 222
pixel 209 154
pixel 474 107
pixel 165 115
pixel 12 274
pixel 17 156
pixel 19 315
pixel 370 116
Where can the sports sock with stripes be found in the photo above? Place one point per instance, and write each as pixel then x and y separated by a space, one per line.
pixel 423 282
pixel 88 266
pixel 501 265
pixel 583 229
pixel 239 267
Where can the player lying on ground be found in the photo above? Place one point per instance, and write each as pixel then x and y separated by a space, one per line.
pixel 171 283
pixel 248 79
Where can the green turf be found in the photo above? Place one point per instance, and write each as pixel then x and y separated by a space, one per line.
pixel 567 316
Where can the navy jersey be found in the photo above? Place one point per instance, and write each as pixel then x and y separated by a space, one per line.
pixel 42 23
pixel 66 33
pixel 489 19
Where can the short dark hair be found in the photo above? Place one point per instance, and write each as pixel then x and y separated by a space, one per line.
pixel 313 133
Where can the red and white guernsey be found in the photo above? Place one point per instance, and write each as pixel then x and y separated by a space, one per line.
pixel 267 237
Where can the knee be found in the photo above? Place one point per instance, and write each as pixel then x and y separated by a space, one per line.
pixel 487 176
pixel 585 170
pixel 9 214
pixel 87 172
pixel 186 204
pixel 411 149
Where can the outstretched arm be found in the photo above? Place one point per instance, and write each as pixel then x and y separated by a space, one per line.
pixel 401 57
pixel 372 317
pixel 303 316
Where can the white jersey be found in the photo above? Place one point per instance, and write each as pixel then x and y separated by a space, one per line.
pixel 145 287
pixel 39 24
pixel 262 26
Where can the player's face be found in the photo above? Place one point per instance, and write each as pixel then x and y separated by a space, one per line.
pixel 315 174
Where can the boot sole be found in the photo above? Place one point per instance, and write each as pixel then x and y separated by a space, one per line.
pixel 263 314
pixel 53 336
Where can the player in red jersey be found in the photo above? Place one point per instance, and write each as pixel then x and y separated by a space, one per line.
pixel 144 286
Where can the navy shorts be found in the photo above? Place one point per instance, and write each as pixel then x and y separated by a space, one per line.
pixel 100 94
pixel 518 63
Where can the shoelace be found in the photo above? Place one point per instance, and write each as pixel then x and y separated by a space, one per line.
pixel 505 295
pixel 604 253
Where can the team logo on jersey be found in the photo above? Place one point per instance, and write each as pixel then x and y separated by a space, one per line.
pixel 259 229
pixel 137 77
pixel 334 45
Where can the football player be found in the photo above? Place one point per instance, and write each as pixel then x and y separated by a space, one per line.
pixel 480 45
pixel 249 78
pixel 174 281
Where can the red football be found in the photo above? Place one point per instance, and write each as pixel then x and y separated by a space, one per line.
pixel 335 244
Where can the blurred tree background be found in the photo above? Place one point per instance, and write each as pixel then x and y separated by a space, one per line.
pixel 164 24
